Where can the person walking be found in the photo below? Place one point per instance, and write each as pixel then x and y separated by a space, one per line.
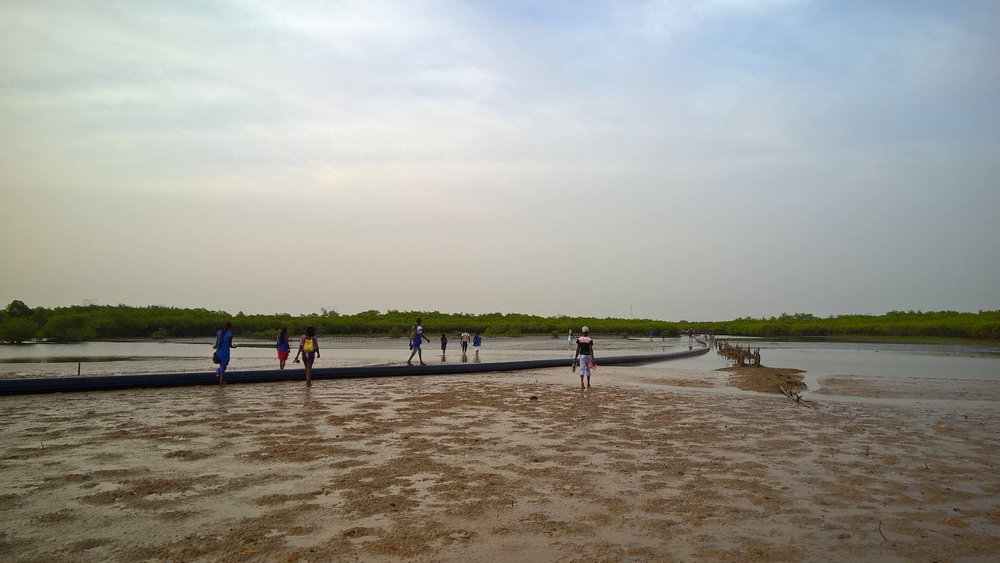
pixel 309 350
pixel 465 342
pixel 444 343
pixel 477 341
pixel 584 355
pixel 416 340
pixel 283 347
pixel 223 343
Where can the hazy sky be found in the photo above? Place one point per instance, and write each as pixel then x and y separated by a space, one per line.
pixel 673 160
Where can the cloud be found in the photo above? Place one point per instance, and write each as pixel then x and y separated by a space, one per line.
pixel 469 143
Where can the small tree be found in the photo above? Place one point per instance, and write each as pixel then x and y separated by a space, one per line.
pixel 17 330
pixel 73 327
pixel 18 310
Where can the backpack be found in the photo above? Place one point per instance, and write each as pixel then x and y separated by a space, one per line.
pixel 309 346
pixel 220 337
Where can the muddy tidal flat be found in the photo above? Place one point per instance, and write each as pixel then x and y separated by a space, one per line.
pixel 651 464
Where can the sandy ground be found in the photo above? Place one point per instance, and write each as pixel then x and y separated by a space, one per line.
pixel 652 464
pixel 766 379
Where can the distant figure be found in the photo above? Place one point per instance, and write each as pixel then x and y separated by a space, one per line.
pixel 465 342
pixel 309 349
pixel 476 343
pixel 584 355
pixel 283 347
pixel 663 335
pixel 650 335
pixel 569 339
pixel 223 342
pixel 416 340
pixel 444 343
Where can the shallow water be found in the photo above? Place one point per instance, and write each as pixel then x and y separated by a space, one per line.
pixel 824 358
pixel 817 357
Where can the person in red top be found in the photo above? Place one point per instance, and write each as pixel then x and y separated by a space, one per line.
pixel 584 355
pixel 309 350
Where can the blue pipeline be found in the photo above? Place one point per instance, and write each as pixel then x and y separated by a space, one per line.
pixel 109 382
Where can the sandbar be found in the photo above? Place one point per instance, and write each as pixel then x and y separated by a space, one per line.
pixel 652 464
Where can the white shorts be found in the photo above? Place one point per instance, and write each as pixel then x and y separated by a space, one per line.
pixel 584 365
pixel 476 348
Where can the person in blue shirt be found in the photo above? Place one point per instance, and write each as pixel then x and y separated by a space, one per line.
pixel 416 340
pixel 223 342
pixel 477 341
pixel 283 347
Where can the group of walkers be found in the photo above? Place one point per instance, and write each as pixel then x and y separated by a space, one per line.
pixel 417 340
pixel 309 348
pixel 693 333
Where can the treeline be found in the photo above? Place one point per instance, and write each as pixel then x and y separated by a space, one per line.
pixel 981 325
pixel 21 323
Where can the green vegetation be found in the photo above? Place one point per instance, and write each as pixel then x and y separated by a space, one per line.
pixel 981 325
pixel 20 323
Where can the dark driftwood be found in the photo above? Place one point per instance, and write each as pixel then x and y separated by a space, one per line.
pixel 738 354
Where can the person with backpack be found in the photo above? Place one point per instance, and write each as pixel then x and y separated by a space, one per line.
pixel 416 339
pixel 223 342
pixel 283 347
pixel 584 356
pixel 309 350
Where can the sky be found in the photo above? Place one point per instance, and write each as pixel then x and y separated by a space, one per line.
pixel 664 159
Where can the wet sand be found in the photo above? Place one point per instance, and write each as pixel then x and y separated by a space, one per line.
pixel 652 464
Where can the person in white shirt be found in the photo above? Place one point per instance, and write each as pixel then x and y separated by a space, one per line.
pixel 584 355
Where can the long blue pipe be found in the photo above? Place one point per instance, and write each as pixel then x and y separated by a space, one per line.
pixel 108 382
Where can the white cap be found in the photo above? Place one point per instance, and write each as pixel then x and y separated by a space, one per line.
pixel 585 329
